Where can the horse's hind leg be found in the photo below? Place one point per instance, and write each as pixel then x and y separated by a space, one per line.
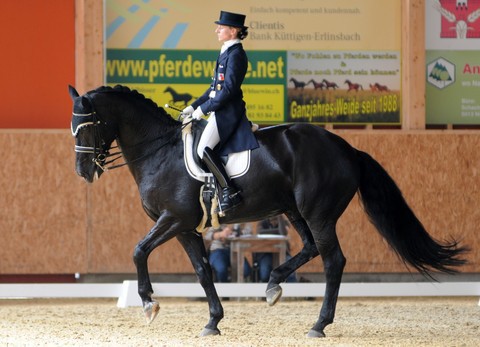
pixel 281 273
pixel 195 248
pixel 333 262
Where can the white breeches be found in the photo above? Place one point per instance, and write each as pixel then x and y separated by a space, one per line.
pixel 210 137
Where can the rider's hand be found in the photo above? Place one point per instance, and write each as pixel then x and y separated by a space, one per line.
pixel 197 114
pixel 188 110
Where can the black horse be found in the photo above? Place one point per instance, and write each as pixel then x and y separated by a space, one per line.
pixel 301 170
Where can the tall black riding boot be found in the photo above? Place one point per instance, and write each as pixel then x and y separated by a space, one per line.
pixel 230 196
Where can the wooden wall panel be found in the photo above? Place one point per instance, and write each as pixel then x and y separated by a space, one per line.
pixel 42 204
pixel 51 221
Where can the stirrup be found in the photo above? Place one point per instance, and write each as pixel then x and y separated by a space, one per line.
pixel 230 198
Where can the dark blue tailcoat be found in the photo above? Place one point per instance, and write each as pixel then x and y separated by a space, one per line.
pixel 233 126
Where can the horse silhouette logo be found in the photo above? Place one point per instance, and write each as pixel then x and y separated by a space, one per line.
pixel 178 97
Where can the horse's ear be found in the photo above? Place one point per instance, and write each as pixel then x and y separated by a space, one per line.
pixel 73 92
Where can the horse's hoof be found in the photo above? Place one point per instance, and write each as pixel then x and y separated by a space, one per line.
pixel 209 332
pixel 315 334
pixel 273 295
pixel 151 310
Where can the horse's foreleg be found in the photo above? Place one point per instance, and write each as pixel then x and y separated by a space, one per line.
pixel 159 234
pixel 145 290
pixel 333 262
pixel 281 273
pixel 195 248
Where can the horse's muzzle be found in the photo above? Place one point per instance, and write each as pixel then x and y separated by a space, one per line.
pixel 90 176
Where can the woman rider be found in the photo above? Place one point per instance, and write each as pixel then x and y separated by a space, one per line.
pixel 228 129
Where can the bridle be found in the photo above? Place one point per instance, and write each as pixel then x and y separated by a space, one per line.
pixel 99 149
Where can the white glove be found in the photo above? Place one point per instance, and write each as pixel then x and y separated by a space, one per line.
pixel 188 110
pixel 197 114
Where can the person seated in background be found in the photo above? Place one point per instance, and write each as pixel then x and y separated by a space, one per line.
pixel 219 251
pixel 263 262
pixel 218 247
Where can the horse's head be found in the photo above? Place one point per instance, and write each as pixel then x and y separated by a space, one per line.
pixel 93 137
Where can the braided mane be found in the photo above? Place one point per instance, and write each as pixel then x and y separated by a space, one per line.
pixel 158 111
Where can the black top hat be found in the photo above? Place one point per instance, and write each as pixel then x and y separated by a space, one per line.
pixel 231 19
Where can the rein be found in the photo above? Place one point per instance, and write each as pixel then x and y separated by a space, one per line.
pixel 119 154
pixel 99 150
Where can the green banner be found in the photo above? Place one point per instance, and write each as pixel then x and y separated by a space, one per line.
pixel 187 66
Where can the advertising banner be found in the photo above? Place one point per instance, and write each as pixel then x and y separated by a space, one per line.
pixel 453 61
pixel 309 61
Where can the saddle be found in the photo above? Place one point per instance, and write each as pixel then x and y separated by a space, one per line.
pixel 236 165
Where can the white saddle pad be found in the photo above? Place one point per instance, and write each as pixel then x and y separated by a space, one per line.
pixel 237 163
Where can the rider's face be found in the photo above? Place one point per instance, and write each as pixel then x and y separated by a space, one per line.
pixel 225 33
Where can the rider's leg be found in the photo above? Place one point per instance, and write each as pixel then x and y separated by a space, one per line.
pixel 230 196
pixel 210 137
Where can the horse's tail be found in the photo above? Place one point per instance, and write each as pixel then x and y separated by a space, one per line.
pixel 396 222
